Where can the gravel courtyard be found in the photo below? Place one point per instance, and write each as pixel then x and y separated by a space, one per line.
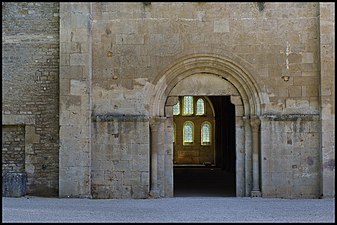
pixel 174 210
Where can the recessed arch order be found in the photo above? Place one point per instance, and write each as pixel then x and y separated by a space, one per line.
pixel 207 75
pixel 211 64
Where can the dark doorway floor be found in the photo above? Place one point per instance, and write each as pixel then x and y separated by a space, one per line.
pixel 203 181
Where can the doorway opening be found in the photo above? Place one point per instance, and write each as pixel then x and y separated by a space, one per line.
pixel 204 146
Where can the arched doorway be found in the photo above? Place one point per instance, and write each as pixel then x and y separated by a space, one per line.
pixel 204 146
pixel 206 75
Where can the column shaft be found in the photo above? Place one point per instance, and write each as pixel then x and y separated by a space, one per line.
pixel 248 157
pixel 255 123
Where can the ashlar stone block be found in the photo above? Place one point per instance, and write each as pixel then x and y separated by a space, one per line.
pixel 221 26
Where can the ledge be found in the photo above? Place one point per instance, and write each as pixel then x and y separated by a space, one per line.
pixel 290 117
pixel 119 117
pixel 18 119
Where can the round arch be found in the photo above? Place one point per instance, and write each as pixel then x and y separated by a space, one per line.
pixel 247 96
pixel 217 65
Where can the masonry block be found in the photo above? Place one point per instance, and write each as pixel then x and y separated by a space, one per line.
pixel 14 184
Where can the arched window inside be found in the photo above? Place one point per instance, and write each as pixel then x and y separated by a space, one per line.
pixel 206 133
pixel 176 109
pixel 188 105
pixel 200 107
pixel 188 132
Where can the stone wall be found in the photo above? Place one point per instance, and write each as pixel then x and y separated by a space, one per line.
pixel 327 94
pixel 64 62
pixel 75 99
pixel 30 68
pixel 290 156
pixel 13 149
pixel 135 43
pixel 120 157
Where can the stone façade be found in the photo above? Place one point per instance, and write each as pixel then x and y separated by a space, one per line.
pixel 91 86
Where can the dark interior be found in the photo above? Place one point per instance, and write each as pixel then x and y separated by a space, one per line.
pixel 218 180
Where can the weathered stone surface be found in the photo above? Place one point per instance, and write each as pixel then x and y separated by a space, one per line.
pixel 30 90
pixel 121 156
pixel 81 81
pixel 327 96
pixel 292 166
pixel 14 184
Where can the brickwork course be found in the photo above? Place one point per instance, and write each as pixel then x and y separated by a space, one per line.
pixel 88 91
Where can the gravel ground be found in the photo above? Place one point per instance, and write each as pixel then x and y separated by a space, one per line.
pixel 168 210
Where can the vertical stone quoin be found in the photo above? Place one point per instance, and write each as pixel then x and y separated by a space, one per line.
pixel 75 99
pixel 327 96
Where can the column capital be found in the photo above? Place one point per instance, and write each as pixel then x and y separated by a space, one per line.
pixel 239 121
pixel 172 100
pixel 155 121
pixel 255 122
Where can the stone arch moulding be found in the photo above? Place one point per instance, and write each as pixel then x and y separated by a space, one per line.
pixel 223 67
pixel 245 94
